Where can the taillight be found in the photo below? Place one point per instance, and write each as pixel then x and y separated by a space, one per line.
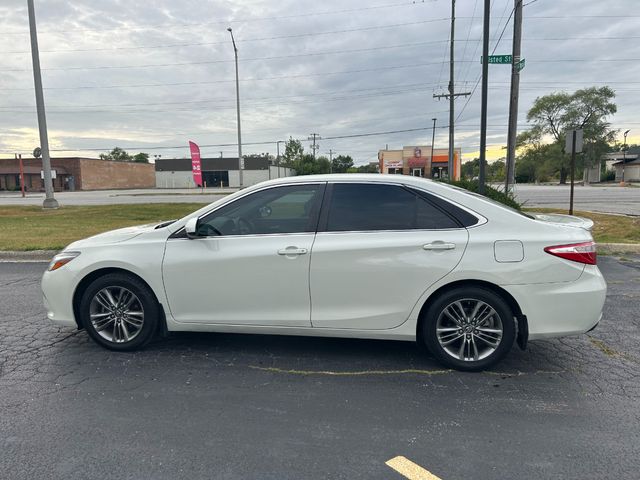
pixel 584 252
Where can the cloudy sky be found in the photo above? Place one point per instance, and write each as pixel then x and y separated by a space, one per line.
pixel 149 76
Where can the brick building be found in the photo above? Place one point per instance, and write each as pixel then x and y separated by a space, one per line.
pixel 76 173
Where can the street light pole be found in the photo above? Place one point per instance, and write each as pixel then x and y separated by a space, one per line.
pixel 49 201
pixel 624 155
pixel 240 159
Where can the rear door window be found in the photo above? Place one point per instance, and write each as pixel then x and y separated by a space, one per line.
pixel 373 207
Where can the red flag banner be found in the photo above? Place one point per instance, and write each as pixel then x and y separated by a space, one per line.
pixel 196 166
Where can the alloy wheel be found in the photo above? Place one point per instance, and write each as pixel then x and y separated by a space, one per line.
pixel 469 329
pixel 116 314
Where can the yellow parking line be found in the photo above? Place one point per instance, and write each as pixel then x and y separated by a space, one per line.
pixel 410 470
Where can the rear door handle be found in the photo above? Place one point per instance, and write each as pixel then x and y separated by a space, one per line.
pixel 439 246
pixel 292 251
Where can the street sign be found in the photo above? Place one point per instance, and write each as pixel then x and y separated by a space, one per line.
pixel 53 174
pixel 499 59
pixel 520 65
pixel 569 141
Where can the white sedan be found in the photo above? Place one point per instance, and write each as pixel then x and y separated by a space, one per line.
pixel 368 256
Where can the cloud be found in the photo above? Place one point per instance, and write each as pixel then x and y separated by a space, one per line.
pixel 336 68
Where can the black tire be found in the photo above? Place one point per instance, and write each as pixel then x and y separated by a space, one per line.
pixel 493 351
pixel 144 300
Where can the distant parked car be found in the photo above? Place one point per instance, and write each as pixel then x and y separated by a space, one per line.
pixel 367 256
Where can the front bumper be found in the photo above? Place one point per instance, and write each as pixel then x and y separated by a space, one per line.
pixel 57 292
pixel 561 309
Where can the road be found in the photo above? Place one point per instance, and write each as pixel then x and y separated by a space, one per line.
pixel 116 197
pixel 203 406
pixel 608 199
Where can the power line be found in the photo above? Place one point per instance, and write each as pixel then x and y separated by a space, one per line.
pixel 227 22
pixel 480 77
pixel 202 44
pixel 209 62
pixel 399 88
pixel 254 79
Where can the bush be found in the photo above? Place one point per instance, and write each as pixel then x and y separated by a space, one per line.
pixel 490 192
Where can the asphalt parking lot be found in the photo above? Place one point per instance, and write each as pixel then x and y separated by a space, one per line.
pixel 204 406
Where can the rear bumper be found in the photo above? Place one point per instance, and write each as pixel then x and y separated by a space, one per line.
pixel 561 309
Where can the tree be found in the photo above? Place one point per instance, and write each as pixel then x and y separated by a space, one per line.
pixel 558 113
pixel 470 169
pixel 293 153
pixel 141 158
pixel 536 161
pixel 116 154
pixel 341 164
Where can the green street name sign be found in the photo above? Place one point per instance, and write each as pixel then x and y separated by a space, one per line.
pixel 520 65
pixel 499 59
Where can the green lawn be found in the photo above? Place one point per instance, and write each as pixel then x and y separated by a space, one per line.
pixel 32 228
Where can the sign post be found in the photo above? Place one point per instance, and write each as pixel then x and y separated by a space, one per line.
pixel 19 157
pixel 573 145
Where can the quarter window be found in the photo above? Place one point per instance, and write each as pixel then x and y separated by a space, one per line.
pixel 366 207
pixel 287 209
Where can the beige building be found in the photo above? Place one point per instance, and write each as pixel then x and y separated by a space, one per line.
pixel 419 161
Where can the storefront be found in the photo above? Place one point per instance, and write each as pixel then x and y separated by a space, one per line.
pixel 418 161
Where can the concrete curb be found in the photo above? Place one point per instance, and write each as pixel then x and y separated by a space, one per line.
pixel 8 256
pixel 30 256
pixel 618 248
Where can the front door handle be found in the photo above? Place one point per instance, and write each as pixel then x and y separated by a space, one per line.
pixel 439 246
pixel 292 251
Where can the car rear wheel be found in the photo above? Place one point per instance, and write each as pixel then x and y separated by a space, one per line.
pixel 119 312
pixel 469 329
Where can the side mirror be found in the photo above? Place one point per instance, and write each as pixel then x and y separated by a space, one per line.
pixel 191 227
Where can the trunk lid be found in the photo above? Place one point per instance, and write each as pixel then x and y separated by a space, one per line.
pixel 566 220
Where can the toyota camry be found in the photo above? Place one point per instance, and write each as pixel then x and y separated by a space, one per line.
pixel 369 256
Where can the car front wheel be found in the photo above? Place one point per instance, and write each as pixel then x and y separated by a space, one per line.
pixel 119 312
pixel 469 329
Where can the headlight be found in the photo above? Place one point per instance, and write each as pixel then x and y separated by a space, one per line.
pixel 61 260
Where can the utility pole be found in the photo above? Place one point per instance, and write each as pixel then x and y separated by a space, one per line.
pixel 278 154
pixel 240 159
pixel 451 95
pixel 314 146
pixel 49 201
pixel 510 166
pixel 485 84
pixel 331 161
pixel 433 142
pixel 573 168
pixel 624 155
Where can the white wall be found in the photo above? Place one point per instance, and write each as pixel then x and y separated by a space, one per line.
pixel 174 180
pixel 631 173
pixel 182 179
